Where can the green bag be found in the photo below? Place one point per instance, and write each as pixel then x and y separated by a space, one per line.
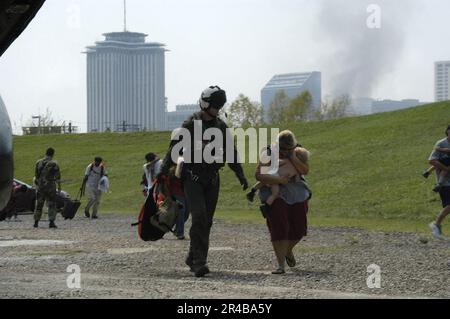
pixel 166 217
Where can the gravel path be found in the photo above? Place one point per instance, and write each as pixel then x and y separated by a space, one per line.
pixel 114 263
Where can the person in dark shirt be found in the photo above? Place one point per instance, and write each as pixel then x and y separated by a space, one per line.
pixel 201 180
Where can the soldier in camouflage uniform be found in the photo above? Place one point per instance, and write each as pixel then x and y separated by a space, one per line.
pixel 47 179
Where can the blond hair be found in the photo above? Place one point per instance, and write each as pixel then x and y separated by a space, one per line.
pixel 287 140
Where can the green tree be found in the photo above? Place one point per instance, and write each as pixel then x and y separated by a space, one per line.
pixel 318 115
pixel 337 108
pixel 277 108
pixel 299 108
pixel 244 113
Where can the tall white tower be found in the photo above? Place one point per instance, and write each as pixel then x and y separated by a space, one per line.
pixel 125 83
pixel 442 81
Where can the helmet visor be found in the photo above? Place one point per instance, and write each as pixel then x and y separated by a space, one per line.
pixel 218 99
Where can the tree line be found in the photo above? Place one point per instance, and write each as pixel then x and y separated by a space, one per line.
pixel 246 113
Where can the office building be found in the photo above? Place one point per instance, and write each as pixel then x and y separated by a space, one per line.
pixel 293 84
pixel 442 81
pixel 390 105
pixel 126 84
pixel 182 113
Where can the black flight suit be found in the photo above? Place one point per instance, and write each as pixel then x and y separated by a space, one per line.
pixel 201 187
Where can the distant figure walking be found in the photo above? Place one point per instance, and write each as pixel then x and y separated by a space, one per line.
pixel 93 176
pixel 47 178
pixel 151 169
pixel 438 159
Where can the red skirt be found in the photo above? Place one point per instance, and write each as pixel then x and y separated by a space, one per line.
pixel 287 222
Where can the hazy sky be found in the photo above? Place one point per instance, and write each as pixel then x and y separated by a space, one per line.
pixel 237 44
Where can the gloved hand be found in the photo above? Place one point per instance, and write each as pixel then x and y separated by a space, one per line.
pixel 244 182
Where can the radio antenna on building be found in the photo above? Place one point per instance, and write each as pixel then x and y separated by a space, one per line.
pixel 125 15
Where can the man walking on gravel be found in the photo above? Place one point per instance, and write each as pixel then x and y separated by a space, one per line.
pixel 444 190
pixel 92 177
pixel 201 177
pixel 47 178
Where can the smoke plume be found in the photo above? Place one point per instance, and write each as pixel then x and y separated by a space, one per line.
pixel 360 57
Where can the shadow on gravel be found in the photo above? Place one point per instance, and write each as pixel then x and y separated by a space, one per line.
pixel 219 275
pixel 250 276
pixel 244 277
pixel 312 273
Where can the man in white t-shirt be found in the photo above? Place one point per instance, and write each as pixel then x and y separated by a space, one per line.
pixel 94 173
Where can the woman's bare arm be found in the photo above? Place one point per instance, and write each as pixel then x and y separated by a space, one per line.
pixel 270 179
pixel 439 165
pixel 299 159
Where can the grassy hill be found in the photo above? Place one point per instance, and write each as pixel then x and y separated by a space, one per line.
pixel 361 167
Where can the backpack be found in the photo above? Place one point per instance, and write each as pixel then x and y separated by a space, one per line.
pixel 158 215
pixel 166 216
pixel 146 231
pixel 102 169
pixel 46 172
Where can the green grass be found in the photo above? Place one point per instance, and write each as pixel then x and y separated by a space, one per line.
pixel 374 224
pixel 364 170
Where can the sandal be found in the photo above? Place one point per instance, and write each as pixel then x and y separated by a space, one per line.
pixel 290 261
pixel 279 271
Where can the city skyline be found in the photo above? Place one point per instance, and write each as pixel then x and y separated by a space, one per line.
pixel 53 76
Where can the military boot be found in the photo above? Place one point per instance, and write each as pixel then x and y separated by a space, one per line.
pixel 52 225
pixel 201 271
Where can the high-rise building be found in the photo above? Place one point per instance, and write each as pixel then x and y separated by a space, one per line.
pixel 126 84
pixel 365 106
pixel 391 105
pixel 361 106
pixel 182 113
pixel 442 81
pixel 292 84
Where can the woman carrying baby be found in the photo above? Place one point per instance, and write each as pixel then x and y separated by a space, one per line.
pixel 286 217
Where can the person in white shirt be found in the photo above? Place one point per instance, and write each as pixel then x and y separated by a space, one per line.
pixel 151 169
pixel 94 173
